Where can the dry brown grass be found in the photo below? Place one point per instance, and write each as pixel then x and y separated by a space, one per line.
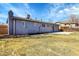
pixel 42 45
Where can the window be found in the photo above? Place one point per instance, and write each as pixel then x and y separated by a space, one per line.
pixel 48 25
pixel 43 25
pixel 65 24
pixel 77 24
pixel 24 24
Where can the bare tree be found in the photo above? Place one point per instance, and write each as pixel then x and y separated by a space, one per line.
pixel 73 18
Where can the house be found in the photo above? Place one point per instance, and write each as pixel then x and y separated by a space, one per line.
pixel 72 22
pixel 23 26
pixel 69 25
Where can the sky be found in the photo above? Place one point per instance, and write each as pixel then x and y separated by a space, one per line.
pixel 49 12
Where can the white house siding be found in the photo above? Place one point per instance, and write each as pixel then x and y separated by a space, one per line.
pixel 20 29
pixel 33 28
pixel 73 26
pixel 26 27
pixel 36 27
pixel 46 28
pixel 56 28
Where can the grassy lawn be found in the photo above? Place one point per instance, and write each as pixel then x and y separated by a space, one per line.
pixel 42 45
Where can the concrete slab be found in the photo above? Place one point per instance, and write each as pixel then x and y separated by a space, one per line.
pixel 62 33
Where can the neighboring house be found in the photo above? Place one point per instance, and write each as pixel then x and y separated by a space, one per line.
pixel 72 22
pixel 23 26
pixel 68 24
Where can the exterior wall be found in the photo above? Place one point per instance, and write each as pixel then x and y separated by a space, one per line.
pixel 65 25
pixel 25 27
pixel 10 25
pixel 68 25
pixel 62 25
pixel 10 22
pixel 56 28
pixel 19 27
pixel 33 28
pixel 73 26
pixel 43 29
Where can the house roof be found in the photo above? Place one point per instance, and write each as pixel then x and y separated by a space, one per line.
pixel 68 22
pixel 30 20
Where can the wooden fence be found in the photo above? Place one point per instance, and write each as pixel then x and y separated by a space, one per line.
pixel 3 29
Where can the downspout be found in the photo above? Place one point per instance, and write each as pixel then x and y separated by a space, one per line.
pixel 14 27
